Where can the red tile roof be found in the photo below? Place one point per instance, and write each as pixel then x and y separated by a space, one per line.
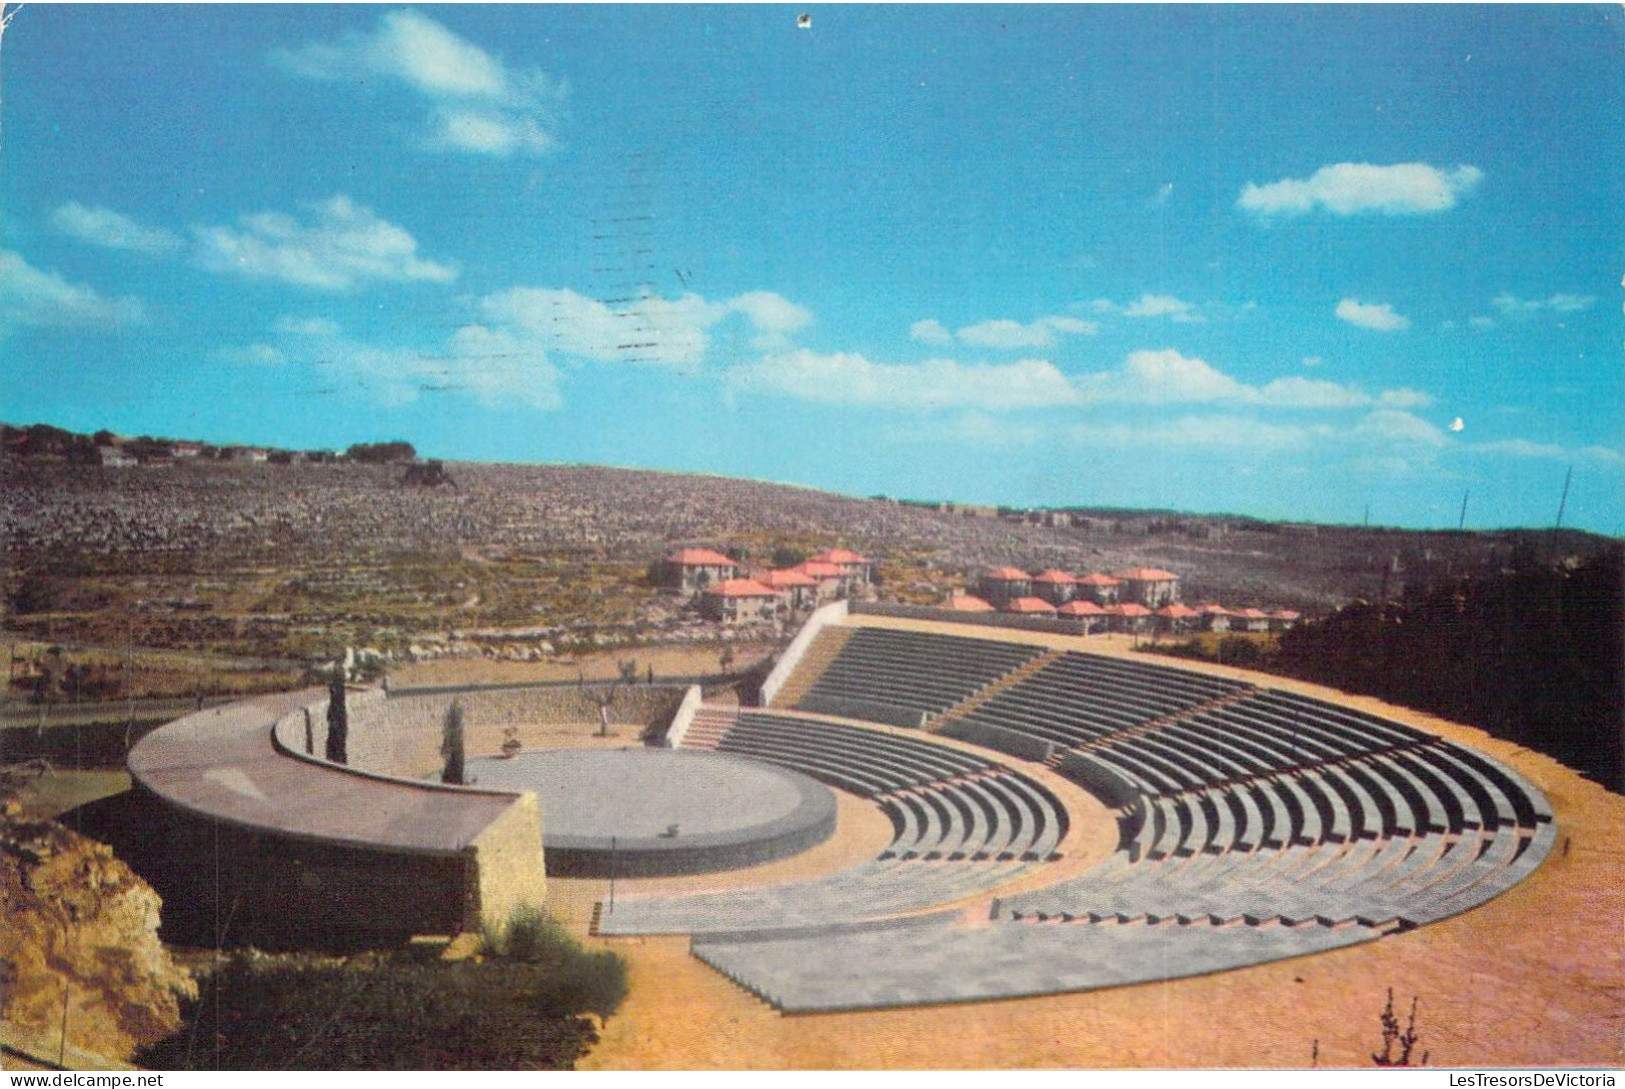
pixel 1215 610
pixel 1130 609
pixel 1286 614
pixel 1254 614
pixel 969 603
pixel 1081 608
pixel 1007 574
pixel 1030 605
pixel 1145 574
pixel 819 570
pixel 1098 580
pixel 785 579
pixel 840 555
pixel 1055 576
pixel 740 588
pixel 700 557
pixel 1176 611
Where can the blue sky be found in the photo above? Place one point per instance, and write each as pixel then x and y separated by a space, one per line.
pixel 1280 261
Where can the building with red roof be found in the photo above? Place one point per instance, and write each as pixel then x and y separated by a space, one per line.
pixel 1129 616
pixel 856 570
pixel 1175 617
pixel 1282 619
pixel 1055 587
pixel 1216 617
pixel 1101 589
pixel 1003 585
pixel 734 601
pixel 797 589
pixel 831 581
pixel 1150 586
pixel 1030 606
pixel 691 570
pixel 968 603
pixel 1088 615
pixel 1253 620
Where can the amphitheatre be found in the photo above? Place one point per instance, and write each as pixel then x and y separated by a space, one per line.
pixel 952 843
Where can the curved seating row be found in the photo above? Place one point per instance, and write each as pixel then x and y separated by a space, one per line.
pixel 865 762
pixel 902 677
pixel 1079 699
pixel 1254 824
pixel 960 825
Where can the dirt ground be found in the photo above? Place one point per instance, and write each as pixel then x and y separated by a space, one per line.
pixel 1535 977
pixel 667 661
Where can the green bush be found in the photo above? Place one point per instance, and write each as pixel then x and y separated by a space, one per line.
pixel 581 981
pixel 379 1012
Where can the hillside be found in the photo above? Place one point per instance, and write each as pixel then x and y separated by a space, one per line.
pixel 293 561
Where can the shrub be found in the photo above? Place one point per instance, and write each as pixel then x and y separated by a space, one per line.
pixel 579 980
pixel 376 1012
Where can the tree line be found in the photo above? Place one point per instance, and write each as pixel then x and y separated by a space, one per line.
pixel 1533 654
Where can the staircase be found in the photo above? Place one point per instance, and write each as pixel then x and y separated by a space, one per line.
pixel 976 699
pixel 709 725
pixel 826 645
pixel 1160 721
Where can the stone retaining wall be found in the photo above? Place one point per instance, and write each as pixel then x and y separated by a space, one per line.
pixel 1047 625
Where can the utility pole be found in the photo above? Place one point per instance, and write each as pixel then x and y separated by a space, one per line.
pixel 1461 523
pixel 1564 502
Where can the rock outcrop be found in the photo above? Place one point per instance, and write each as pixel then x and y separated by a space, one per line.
pixel 79 923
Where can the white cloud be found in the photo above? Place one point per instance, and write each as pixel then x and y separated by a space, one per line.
pixel 1396 427
pixel 1162 306
pixel 1005 334
pixel 1523 448
pixel 1313 360
pixel 1478 321
pixel 1075 326
pixel 1169 377
pixel 31 296
pixel 851 379
pixel 494 366
pixel 479 105
pixel 1209 432
pixel 1298 392
pixel 253 355
pixel 105 227
pixel 1376 316
pixel 773 316
pixel 1166 377
pixel 647 329
pixel 1346 189
pixel 1562 303
pixel 1565 304
pixel 1404 398
pixel 930 331
pixel 340 245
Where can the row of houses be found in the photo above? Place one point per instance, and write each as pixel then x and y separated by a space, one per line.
pixel 1135 600
pixel 728 592
pixel 1132 617
pixel 1150 587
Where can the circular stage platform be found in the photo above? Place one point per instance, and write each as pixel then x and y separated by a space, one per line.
pixel 662 812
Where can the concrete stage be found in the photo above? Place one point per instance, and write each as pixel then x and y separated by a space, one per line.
pixel 660 812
